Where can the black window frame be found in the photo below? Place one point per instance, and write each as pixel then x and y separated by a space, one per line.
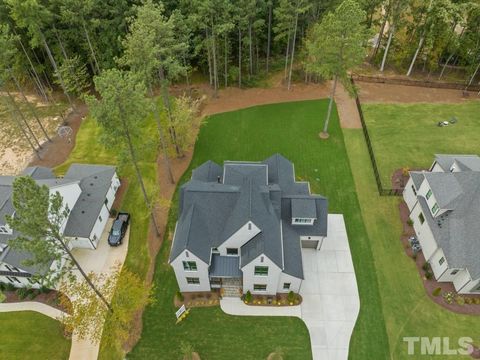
pixel 259 287
pixel 260 272
pixel 230 249
pixel 193 280
pixel 421 218
pixel 286 286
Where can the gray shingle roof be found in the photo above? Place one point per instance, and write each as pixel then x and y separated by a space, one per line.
pixel 466 162
pixel 304 208
pixel 210 212
pixel 94 181
pixel 456 230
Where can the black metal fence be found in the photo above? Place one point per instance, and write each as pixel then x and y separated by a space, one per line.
pixel 381 190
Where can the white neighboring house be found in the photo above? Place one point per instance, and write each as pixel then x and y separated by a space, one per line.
pixel 444 205
pixel 242 227
pixel 87 190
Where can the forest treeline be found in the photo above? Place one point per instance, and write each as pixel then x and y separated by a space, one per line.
pixel 65 43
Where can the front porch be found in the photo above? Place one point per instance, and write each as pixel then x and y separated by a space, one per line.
pixel 225 274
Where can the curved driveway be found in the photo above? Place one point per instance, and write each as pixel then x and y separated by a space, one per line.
pixel 330 304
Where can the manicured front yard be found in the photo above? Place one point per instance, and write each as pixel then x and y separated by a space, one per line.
pixel 406 135
pixel 30 335
pixel 255 134
pixel 407 309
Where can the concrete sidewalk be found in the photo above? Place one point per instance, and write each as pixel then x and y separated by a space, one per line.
pixel 330 304
pixel 32 306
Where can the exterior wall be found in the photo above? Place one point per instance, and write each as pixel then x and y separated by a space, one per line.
pixel 434 261
pixel 424 234
pixel 471 288
pixel 271 280
pixel 70 194
pixel 295 283
pixel 461 282
pixel 436 168
pixel 238 239
pixel 448 277
pixel 99 226
pixel 409 196
pixel 181 274
pixel 112 191
pixel 80 242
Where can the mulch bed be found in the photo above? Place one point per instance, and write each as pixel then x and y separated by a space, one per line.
pixel 431 284
pixel 400 177
pixel 50 298
pixel 198 299
pixel 276 301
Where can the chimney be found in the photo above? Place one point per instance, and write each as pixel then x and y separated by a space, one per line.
pixel 218 179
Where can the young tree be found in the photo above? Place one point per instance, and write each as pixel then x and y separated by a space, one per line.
pixel 336 45
pixel 185 110
pixel 120 112
pixel 90 319
pixel 39 218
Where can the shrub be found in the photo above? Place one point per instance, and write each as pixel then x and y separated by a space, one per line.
pixel 414 256
pixel 410 222
pixel 428 275
pixel 426 266
pixel 2 297
pixel 113 212
pixel 460 300
pixel 469 301
pixel 10 287
pixel 3 286
pixel 448 297
pixel 179 295
pixel 405 171
pixel 291 297
pixel 437 291
pixel 248 297
pixel 32 294
pixel 22 293
pixel 476 300
pixel 44 290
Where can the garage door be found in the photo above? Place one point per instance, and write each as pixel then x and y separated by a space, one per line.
pixel 311 244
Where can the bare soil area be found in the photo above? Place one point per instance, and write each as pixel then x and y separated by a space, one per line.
pixel 389 93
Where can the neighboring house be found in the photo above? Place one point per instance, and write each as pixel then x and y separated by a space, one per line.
pixel 242 227
pixel 87 190
pixel 444 205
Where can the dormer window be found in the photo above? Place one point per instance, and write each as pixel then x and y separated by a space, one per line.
pixel 302 221
pixel 435 208
pixel 429 193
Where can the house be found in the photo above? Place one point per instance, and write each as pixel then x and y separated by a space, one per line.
pixel 242 228
pixel 444 205
pixel 87 190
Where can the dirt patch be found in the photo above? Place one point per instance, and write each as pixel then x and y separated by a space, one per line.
pixel 400 178
pixel 57 152
pixel 389 93
pixel 431 284
pixel 50 298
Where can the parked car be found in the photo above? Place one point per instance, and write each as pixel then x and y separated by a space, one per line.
pixel 119 228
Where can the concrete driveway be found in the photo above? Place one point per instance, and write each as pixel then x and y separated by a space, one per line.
pixel 330 304
pixel 101 260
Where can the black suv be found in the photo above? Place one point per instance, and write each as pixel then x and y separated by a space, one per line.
pixel 119 228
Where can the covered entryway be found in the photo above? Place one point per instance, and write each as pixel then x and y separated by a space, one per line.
pixel 310 244
pixel 225 273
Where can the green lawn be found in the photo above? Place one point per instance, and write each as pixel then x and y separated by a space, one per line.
pixel 30 335
pixel 406 135
pixel 407 309
pixel 255 134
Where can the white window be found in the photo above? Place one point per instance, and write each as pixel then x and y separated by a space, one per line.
pixel 259 287
pixel 3 229
pixel 454 272
pixel 193 281
pixel 190 265
pixel 441 261
pixel 303 221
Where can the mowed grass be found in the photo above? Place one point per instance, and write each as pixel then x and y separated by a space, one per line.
pixel 407 135
pixel 408 311
pixel 30 335
pixel 255 134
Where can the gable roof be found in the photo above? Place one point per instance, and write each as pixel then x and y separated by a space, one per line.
pixel 211 212
pixel 465 162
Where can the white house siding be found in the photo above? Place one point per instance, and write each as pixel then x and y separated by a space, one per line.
pixel 424 234
pixel 447 276
pixel 70 194
pixel 99 226
pixel 438 269
pixel 461 281
pixel 436 168
pixel 239 238
pixel 295 283
pixel 409 196
pixel 80 242
pixel 471 288
pixel 271 280
pixel 112 191
pixel 181 274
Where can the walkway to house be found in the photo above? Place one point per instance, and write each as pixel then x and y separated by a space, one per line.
pixel 330 304
pixel 32 306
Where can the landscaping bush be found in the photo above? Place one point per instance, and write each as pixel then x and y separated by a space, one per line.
pixel 460 300
pixel 113 212
pixel 44 290
pixel 248 297
pixel 291 297
pixel 437 291
pixel 469 301
pixel 410 222
pixel 426 266
pixel 2 297
pixel 476 301
pixel 32 294
pixel 428 275
pixel 22 293
pixel 179 295
pixel 10 287
pixel 448 297
pixel 3 286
